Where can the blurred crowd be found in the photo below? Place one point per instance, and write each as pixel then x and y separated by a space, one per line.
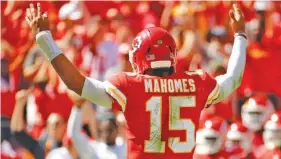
pixel 41 118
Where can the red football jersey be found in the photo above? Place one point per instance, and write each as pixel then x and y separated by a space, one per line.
pixel 257 142
pixel 239 153
pixel 162 113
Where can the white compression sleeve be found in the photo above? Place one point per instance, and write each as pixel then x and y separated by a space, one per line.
pixel 235 69
pixel 46 43
pixel 80 140
pixel 94 91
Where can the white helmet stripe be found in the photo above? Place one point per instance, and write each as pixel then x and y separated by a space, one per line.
pixel 160 64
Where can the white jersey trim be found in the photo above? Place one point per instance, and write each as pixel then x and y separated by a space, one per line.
pixel 160 64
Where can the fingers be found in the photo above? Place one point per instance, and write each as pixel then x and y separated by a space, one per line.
pixel 232 16
pixel 38 10
pixel 28 17
pixel 237 12
pixel 28 14
pixel 45 16
pixel 28 21
pixel 32 11
pixel 235 7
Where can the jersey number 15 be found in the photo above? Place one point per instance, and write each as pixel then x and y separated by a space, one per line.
pixel 155 144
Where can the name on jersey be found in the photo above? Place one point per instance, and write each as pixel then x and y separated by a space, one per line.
pixel 169 85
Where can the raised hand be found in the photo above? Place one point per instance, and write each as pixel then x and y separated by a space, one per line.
pixel 36 20
pixel 22 96
pixel 237 19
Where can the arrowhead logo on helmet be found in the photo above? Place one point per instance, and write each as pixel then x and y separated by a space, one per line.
pixel 136 43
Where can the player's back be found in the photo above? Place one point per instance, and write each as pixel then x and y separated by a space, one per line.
pixel 162 113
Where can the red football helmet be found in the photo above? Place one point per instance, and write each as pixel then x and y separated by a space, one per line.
pixel 272 131
pixel 256 111
pixel 238 136
pixel 153 48
pixel 210 137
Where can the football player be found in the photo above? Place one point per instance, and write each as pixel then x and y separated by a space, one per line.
pixel 272 138
pixel 238 141
pixel 161 106
pixel 255 111
pixel 210 139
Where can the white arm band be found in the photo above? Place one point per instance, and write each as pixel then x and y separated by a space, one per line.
pixel 47 44
pixel 94 91
pixel 235 69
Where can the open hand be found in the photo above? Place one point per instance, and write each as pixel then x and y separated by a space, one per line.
pixel 237 19
pixel 36 20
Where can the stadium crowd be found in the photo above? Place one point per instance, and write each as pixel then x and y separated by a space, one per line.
pixel 41 118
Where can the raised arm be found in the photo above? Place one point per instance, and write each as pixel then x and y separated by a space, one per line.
pixel 18 126
pixel 89 88
pixel 235 69
pixel 80 140
pixel 17 121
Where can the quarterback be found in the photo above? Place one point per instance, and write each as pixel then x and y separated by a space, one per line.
pixel 161 106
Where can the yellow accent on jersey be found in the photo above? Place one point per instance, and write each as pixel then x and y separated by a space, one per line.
pixel 116 94
pixel 213 95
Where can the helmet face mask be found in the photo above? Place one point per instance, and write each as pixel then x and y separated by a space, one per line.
pixel 238 139
pixel 272 131
pixel 233 143
pixel 152 48
pixel 253 120
pixel 256 111
pixel 210 138
pixel 238 136
pixel 272 138
pixel 208 141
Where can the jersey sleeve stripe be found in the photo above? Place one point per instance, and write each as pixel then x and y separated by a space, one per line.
pixel 116 94
pixel 213 95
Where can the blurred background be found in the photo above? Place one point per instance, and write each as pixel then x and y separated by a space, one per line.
pixel 96 37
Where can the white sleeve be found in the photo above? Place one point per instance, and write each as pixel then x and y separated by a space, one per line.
pixel 94 91
pixel 235 69
pixel 55 154
pixel 80 140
